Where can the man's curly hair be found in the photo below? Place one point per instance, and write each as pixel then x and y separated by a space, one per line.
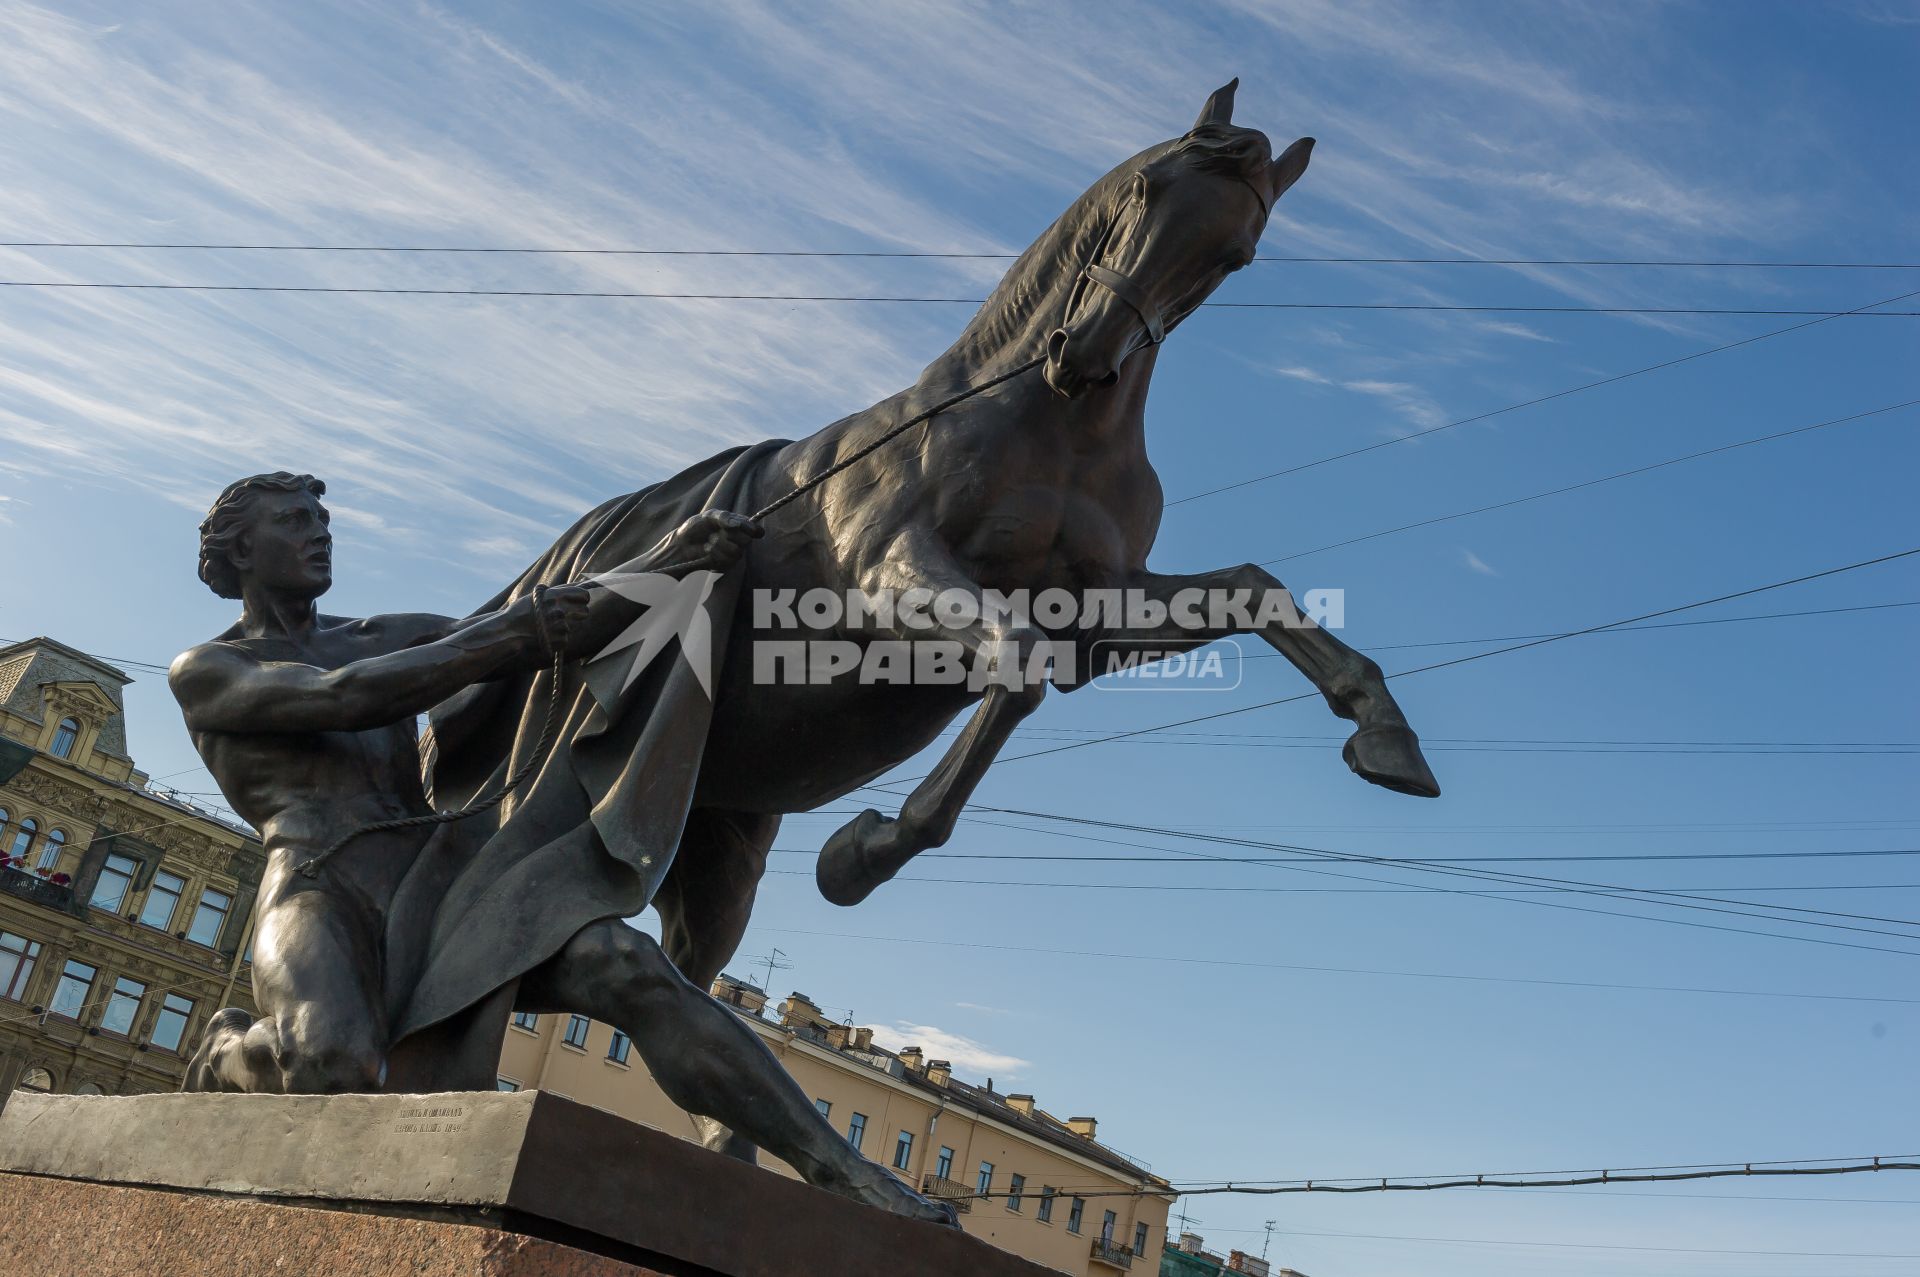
pixel 230 516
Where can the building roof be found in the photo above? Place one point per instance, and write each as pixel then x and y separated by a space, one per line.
pixel 72 653
pixel 980 1100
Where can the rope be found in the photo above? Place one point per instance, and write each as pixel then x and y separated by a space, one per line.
pixel 310 867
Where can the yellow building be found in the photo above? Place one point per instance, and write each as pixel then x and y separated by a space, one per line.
pixel 124 911
pixel 1024 1180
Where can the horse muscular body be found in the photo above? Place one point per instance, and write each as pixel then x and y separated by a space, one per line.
pixel 1042 482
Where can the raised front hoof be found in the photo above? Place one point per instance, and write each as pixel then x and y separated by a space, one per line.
pixel 847 871
pixel 1390 757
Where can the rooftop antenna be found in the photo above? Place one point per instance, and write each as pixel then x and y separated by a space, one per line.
pixel 775 961
pixel 1271 1224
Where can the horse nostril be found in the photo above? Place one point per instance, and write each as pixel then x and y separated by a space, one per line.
pixel 1057 345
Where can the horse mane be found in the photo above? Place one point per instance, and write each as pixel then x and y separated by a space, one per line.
pixel 1030 283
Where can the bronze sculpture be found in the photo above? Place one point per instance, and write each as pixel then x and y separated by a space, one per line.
pixel 307 723
pixel 1033 483
pixel 665 784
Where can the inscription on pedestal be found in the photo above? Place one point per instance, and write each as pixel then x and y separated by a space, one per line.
pixel 429 1119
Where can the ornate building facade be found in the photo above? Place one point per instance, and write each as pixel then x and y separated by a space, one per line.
pixel 125 912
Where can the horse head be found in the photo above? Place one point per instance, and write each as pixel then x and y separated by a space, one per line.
pixel 1178 219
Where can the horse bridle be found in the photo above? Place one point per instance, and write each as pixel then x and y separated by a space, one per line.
pixel 1127 290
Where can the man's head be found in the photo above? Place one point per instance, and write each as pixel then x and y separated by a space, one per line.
pixel 270 528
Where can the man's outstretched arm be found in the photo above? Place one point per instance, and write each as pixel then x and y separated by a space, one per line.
pixel 222 689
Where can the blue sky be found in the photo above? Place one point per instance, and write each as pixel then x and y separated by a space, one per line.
pixel 458 435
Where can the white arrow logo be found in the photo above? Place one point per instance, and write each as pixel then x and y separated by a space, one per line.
pixel 674 609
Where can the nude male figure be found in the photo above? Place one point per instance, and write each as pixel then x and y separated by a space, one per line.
pixel 307 722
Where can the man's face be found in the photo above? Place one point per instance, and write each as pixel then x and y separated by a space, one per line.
pixel 287 547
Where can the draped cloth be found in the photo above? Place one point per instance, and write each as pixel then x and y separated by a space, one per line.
pixel 592 832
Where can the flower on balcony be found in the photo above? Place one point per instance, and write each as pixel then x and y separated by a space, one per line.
pixel 62 880
pixel 44 872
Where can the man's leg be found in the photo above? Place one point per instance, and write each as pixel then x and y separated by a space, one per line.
pixel 316 977
pixel 708 1062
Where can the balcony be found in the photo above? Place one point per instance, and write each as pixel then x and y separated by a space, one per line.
pixel 947 1190
pixel 41 891
pixel 1112 1254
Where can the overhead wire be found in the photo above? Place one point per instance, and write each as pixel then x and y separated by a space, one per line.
pixel 1584 484
pixel 1457 660
pixel 1614 379
pixel 1181 959
pixel 1606 890
pixel 921 253
pixel 889 299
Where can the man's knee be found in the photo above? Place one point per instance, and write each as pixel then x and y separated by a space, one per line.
pixel 318 1058
pixel 612 954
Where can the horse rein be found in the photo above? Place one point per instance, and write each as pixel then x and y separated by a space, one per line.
pixel 310 867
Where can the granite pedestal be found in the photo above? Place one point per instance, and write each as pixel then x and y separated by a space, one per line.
pixel 522 1184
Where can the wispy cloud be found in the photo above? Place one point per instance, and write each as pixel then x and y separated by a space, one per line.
pixel 973 1060
pixel 474 428
pixel 1475 563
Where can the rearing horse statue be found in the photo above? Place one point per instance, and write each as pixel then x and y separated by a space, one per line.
pixel 1042 482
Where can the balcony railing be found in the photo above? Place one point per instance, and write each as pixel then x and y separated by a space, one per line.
pixel 948 1190
pixel 42 891
pixel 1112 1254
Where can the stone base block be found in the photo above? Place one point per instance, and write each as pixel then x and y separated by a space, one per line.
pixel 514 1184
pixel 69 1228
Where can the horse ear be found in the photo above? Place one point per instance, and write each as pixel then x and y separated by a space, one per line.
pixel 1219 107
pixel 1286 170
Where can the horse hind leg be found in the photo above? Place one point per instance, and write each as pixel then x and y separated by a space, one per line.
pixel 704 906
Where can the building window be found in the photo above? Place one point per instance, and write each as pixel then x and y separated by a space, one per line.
pixel 618 1047
pixel 1106 1228
pixel 1075 1212
pixel 76 983
pixel 1045 1213
pixel 65 737
pixel 944 1167
pixel 163 900
pixel 857 1130
pixel 170 1025
pixel 123 1004
pixel 116 879
pixel 35 1080
pixel 505 1084
pixel 983 1184
pixel 50 854
pixel 23 840
pixel 17 958
pixel 209 916
pixel 4 816
pixel 825 1107
pixel 526 1020
pixel 903 1151
pixel 1139 1240
pixel 577 1031
pixel 1014 1187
